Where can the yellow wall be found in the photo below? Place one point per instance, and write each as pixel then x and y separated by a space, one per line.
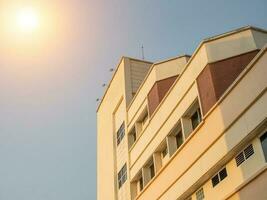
pixel 110 115
pixel 224 131
pixel 206 147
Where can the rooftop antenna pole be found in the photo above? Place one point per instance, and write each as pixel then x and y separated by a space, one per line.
pixel 143 53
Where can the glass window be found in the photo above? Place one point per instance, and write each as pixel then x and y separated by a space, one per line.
pixel 141 185
pixel 145 118
pixel 219 177
pixel 152 170
pixel 164 151
pixel 200 194
pixel 122 175
pixel 264 145
pixel 196 118
pixel 132 137
pixel 179 139
pixel 244 155
pixel 223 174
pixel 120 133
pixel 215 180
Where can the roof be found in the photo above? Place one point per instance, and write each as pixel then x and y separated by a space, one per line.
pixel 209 39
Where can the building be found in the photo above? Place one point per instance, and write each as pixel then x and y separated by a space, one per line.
pixel 191 127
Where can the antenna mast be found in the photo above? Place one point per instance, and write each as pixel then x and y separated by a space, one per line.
pixel 143 53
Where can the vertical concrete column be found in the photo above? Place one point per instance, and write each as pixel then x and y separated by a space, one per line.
pixel 157 161
pixel 134 189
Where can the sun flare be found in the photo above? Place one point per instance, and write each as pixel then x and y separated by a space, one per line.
pixel 27 20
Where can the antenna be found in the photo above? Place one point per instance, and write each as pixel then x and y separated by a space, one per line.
pixel 143 53
pixel 104 85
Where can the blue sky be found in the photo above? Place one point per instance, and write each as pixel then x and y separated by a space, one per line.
pixel 47 104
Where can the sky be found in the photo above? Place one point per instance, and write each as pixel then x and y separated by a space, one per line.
pixel 50 80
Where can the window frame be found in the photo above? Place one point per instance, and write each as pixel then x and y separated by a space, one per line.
pixel 218 175
pixel 198 114
pixel 241 157
pixel 188 125
pixel 120 133
pixel 122 175
pixel 200 192
pixel 132 136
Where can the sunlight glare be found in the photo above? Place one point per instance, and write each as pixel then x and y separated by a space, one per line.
pixel 27 20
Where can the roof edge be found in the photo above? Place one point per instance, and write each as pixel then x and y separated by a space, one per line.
pixel 113 75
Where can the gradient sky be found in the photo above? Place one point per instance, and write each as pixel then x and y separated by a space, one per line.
pixel 49 83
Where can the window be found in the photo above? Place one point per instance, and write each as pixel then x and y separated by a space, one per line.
pixel 264 144
pixel 144 118
pixel 219 177
pixel 141 121
pixel 152 170
pixel 248 151
pixel 191 119
pixel 141 184
pixel 122 175
pixel 200 194
pixel 133 133
pixel 223 174
pixel 132 137
pixel 244 155
pixel 120 133
pixel 148 171
pixel 164 152
pixel 175 139
pixel 196 118
pixel 179 139
pixel 239 158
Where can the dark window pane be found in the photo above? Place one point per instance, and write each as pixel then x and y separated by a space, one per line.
pixel 264 145
pixel 120 133
pixel 200 194
pixel 141 184
pixel 134 135
pixel 152 171
pixel 239 159
pixel 215 180
pixel 122 175
pixel 223 174
pixel 196 118
pixel 179 139
pixel 164 152
pixel 248 151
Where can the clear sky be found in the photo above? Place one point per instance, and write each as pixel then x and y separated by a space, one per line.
pixel 49 81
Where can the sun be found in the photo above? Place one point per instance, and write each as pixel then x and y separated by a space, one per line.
pixel 27 20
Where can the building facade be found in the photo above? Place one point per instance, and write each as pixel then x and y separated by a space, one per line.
pixel 191 127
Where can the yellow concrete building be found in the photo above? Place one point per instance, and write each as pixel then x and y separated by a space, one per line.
pixel 191 127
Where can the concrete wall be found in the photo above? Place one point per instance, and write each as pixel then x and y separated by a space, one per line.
pixel 256 189
pixel 138 73
pixel 106 137
pixel 110 115
pixel 216 137
pixel 158 71
pixel 157 93
pixel 227 126
pixel 218 76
